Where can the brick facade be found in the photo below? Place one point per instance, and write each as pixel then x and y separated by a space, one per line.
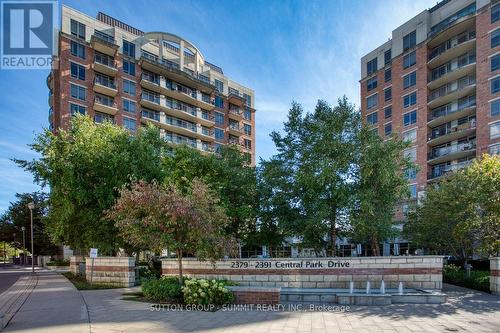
pixel 255 295
pixel 119 271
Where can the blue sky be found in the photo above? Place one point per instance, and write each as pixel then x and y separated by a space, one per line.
pixel 285 50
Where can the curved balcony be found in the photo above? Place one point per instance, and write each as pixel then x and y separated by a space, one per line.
pixel 452 91
pixel 453 70
pixel 452 26
pixel 438 171
pixel 451 111
pixel 453 152
pixel 447 133
pixel 50 81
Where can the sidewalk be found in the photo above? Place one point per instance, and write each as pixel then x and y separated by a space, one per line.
pixel 54 305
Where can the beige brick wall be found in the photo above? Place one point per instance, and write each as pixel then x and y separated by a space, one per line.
pixel 118 271
pixel 495 275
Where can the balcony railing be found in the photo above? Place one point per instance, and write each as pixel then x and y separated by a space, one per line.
pixel 151 77
pixel 104 37
pixel 104 81
pixel 443 151
pixel 450 20
pixel 450 108
pixel 452 66
pixel 181 123
pixel 177 139
pixel 235 111
pixel 151 114
pixel 441 170
pixel 182 89
pixel 105 100
pixel 445 130
pixel 174 104
pixel 148 96
pixel 104 60
pixel 451 87
pixel 451 43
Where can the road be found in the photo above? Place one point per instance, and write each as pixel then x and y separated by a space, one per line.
pixel 9 275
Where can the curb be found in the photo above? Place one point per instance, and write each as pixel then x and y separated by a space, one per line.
pixel 13 298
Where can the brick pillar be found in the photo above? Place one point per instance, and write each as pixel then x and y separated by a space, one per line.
pixel 118 271
pixel 495 275
pixel 74 263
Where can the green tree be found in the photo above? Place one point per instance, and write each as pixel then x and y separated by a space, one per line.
pixel 380 185
pixel 84 168
pixel 460 215
pixel 315 160
pixel 18 216
pixel 163 217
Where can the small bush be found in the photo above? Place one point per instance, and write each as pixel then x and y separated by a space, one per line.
pixel 478 280
pixel 203 292
pixel 165 289
pixel 145 274
pixel 58 262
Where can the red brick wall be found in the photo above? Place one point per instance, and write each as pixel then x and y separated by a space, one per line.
pixel 256 297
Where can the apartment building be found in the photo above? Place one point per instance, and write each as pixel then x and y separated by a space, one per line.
pixel 114 72
pixel 436 83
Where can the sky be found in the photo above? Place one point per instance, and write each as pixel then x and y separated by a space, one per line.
pixel 296 50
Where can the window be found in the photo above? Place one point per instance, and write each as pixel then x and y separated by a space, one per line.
pixel 388 94
pixel 495 13
pixel 388 112
pixel 411 154
pixel 409 60
pixel 410 118
pixel 77 49
pixel 410 136
pixel 247 114
pixel 409 40
pixel 495 38
pixel 411 174
pixel 409 80
pixel 78 29
pixel 495 62
pixel 413 191
pixel 78 92
pixel 129 87
pixel 387 75
pixel 219 134
pixel 371 83
pixel 372 101
pixel 410 99
pixel 248 99
pixel 129 49
pixel 247 143
pixel 495 130
pixel 129 124
pixel 388 129
pixel 248 129
pixel 219 118
pixel 371 66
pixel 495 108
pixel 495 85
pixel 494 149
pixel 100 118
pixel 219 102
pixel 372 118
pixel 387 57
pixel 129 67
pixel 77 71
pixel 219 85
pixel 128 106
pixel 75 108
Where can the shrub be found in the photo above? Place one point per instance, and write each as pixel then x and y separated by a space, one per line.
pixel 203 292
pixel 165 289
pixel 145 274
pixel 58 262
pixel 479 280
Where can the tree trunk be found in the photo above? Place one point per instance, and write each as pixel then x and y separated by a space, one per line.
pixel 179 260
pixel 375 246
pixel 333 231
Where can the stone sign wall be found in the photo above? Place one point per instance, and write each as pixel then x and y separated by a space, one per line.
pixel 423 272
pixel 495 275
pixel 119 271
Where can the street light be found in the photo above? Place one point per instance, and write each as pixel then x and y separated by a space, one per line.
pixel 31 206
pixel 24 245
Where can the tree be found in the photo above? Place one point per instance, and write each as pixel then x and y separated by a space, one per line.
pixel 163 217
pixel 84 168
pixel 315 163
pixel 227 174
pixel 380 185
pixel 18 216
pixel 460 215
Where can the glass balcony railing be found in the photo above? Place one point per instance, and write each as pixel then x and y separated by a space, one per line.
pixel 441 170
pixel 105 100
pixel 104 59
pixel 451 43
pixel 153 78
pixel 453 107
pixel 450 20
pixel 104 37
pixel 451 87
pixel 180 140
pixel 150 114
pixel 182 89
pixel 443 151
pixel 174 104
pixel 235 111
pixel 181 123
pixel 447 129
pixel 151 97
pixel 104 81
pixel 452 66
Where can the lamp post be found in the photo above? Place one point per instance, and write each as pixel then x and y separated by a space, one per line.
pixel 24 245
pixel 31 206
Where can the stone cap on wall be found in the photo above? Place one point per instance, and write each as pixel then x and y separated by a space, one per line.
pixel 314 258
pixel 254 289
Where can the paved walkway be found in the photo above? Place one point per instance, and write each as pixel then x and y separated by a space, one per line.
pixel 55 306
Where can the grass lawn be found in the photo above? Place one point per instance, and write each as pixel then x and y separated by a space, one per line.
pixel 81 283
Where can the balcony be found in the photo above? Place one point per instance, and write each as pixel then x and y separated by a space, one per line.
pixel 181 110
pixel 151 83
pixel 448 133
pixel 205 135
pixel 104 85
pixel 455 110
pixel 452 48
pixel 105 104
pixel 171 70
pixel 453 70
pixel 180 140
pixel 235 130
pixel 150 115
pixel 235 113
pixel 179 126
pixel 180 92
pixel 441 170
pixel 452 152
pixel 206 119
pixel 452 91
pixel 452 26
pixel 105 65
pixel 50 81
pixel 104 43
pixel 236 99
pixel 151 100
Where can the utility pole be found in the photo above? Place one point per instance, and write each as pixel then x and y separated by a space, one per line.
pixel 31 206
